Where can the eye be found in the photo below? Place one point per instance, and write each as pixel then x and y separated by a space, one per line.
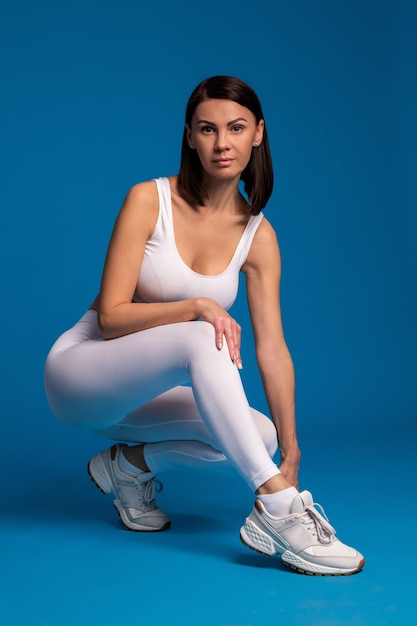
pixel 207 129
pixel 237 128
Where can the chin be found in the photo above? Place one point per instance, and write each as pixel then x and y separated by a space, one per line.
pixel 227 173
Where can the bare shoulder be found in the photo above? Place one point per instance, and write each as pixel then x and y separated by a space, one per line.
pixel 266 233
pixel 140 206
pixel 264 251
pixel 142 197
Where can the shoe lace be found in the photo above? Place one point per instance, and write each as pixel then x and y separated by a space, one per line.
pixel 151 486
pixel 318 523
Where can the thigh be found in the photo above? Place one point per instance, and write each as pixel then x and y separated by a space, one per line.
pixel 93 383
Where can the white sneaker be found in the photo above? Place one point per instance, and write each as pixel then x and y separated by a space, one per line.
pixel 304 539
pixel 134 498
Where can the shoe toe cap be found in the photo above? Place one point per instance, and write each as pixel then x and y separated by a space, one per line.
pixel 336 554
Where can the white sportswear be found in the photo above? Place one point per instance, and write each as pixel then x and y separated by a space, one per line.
pixel 131 388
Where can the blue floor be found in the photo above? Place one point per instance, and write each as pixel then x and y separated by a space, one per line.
pixel 68 562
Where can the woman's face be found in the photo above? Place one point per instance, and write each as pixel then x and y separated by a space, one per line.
pixel 224 133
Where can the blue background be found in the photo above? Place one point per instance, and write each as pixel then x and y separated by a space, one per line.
pixel 92 101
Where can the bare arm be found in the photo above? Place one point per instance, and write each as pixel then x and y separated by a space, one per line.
pixel 117 314
pixel 263 273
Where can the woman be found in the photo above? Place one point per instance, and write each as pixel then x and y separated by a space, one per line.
pixel 160 320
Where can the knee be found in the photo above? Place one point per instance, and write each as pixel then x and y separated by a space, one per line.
pixel 201 338
pixel 203 331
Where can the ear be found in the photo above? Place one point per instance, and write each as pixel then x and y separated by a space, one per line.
pixel 188 135
pixel 259 133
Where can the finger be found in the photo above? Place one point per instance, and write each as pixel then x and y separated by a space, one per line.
pixel 222 331
pixel 228 335
pixel 238 359
pixel 236 351
pixel 231 339
pixel 219 338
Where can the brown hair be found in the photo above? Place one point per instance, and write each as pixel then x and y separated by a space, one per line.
pixel 258 175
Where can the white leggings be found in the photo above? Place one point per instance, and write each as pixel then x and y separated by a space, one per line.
pixel 130 389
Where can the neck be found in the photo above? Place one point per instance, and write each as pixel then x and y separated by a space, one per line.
pixel 223 194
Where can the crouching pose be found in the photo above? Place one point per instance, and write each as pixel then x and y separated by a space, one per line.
pixel 160 321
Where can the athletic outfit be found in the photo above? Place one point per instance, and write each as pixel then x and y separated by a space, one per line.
pixel 131 388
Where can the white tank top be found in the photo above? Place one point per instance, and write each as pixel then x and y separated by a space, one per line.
pixel 164 277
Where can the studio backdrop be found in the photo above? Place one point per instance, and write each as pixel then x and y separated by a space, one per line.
pixel 93 99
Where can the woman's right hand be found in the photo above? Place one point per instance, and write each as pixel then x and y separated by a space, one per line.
pixel 224 325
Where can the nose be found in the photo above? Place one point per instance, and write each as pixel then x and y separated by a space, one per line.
pixel 221 142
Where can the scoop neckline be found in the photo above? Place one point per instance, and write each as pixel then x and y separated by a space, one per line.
pixel 171 219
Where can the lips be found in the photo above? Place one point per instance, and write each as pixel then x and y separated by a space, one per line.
pixel 223 162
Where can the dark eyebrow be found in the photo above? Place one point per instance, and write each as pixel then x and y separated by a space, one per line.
pixel 238 119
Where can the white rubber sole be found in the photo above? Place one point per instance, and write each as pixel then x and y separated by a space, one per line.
pixel 255 539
